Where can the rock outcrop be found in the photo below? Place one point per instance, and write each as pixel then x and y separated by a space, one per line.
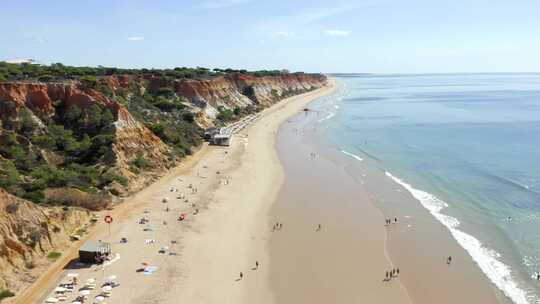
pixel 131 135
pixel 241 90
pixel 140 149
pixel 29 232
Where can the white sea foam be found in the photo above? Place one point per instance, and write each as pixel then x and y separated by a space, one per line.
pixel 352 155
pixel 499 273
pixel 330 115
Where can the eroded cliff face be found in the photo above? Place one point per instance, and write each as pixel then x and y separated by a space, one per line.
pixel 241 90
pixel 132 137
pixel 29 232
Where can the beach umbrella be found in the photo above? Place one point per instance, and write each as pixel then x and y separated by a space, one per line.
pixel 52 300
pixel 111 277
pixel 99 299
pixel 76 302
pixel 106 288
pixel 84 292
pixel 91 281
pixel 72 275
pixel 60 289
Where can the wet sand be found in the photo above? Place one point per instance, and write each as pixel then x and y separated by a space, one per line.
pixel 346 261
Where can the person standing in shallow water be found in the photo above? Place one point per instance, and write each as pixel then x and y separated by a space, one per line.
pixel 449 260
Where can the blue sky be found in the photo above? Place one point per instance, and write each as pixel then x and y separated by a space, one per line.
pixel 310 35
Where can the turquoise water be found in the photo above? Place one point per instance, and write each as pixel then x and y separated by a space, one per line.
pixel 468 148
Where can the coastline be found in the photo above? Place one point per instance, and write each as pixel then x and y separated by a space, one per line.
pixel 346 260
pixel 418 245
pixel 241 191
pixel 214 243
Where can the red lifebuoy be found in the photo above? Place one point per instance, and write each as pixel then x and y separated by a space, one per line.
pixel 108 219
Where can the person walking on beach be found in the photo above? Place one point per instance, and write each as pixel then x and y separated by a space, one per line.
pixel 256 264
pixel 395 220
pixel 449 260
pixel 319 227
pixel 241 275
pixel 397 272
pixel 386 276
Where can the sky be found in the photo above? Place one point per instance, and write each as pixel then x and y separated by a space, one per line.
pixel 361 36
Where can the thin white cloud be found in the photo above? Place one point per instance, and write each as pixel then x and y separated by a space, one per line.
pixel 283 34
pixel 213 4
pixel 339 33
pixel 135 38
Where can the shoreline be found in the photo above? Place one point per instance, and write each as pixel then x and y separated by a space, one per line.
pixel 417 245
pixel 231 232
pixel 223 229
pixel 345 260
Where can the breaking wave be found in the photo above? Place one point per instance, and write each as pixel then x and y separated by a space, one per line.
pixel 499 273
pixel 352 155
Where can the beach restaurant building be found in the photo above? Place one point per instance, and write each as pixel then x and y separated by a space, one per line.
pixel 94 251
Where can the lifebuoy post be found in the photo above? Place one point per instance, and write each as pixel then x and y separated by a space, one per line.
pixel 109 220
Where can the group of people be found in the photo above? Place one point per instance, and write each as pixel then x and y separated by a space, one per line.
pixel 277 226
pixel 388 221
pixel 254 268
pixel 394 273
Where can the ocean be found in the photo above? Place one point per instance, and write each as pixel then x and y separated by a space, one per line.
pixel 466 146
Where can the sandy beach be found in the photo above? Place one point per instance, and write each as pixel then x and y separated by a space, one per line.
pixel 226 249
pixel 346 261
pixel 226 193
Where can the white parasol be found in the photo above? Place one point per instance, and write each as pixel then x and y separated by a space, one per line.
pixel 111 278
pixel 106 288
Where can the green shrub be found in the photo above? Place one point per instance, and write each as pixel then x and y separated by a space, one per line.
pixel 188 117
pixel 249 91
pixel 6 293
pixel 45 78
pixel 89 81
pixel 53 255
pixel 168 104
pixel 141 162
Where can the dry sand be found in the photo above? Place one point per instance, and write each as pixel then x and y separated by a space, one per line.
pixel 235 187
